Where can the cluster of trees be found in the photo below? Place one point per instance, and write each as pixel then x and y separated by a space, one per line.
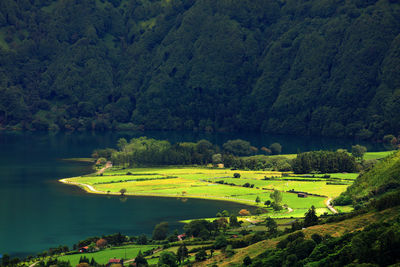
pixel 276 163
pixel 302 67
pixel 324 162
pixel 146 151
pixel 142 151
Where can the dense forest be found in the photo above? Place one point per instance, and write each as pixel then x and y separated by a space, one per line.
pixel 312 67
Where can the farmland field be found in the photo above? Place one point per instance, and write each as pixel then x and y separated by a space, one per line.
pixel 219 184
pixel 103 256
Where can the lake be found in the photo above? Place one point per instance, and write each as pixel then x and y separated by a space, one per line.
pixel 37 212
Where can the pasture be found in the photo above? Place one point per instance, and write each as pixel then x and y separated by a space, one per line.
pixel 103 256
pixel 219 184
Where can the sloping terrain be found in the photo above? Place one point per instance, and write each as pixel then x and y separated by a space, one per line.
pixel 318 67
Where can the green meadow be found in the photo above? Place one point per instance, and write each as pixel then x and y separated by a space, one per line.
pixel 103 256
pixel 219 184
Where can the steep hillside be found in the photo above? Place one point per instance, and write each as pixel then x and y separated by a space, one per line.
pixel 383 177
pixel 318 67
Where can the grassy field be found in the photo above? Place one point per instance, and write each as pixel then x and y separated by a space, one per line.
pixel 103 256
pixel 377 155
pixel 201 182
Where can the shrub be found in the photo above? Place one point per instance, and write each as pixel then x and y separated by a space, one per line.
pixel 342 200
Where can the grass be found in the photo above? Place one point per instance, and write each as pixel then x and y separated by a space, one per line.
pixel 103 256
pixel 200 182
pixel 377 155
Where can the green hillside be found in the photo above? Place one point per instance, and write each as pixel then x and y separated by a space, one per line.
pixel 283 66
pixel 384 176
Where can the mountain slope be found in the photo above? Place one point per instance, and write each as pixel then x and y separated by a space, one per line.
pixel 306 67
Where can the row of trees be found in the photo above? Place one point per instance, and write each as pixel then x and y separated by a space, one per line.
pixel 146 151
pixel 142 151
pixel 324 162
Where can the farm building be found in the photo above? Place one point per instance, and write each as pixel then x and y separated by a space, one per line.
pixel 115 261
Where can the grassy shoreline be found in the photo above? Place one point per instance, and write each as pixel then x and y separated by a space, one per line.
pixel 88 190
pixel 216 184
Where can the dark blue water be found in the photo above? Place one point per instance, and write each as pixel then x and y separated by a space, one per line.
pixel 37 212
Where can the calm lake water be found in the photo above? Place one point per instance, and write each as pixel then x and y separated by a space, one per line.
pixel 37 212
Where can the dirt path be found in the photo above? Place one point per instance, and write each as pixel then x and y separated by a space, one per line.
pixel 89 187
pixel 108 165
pixel 329 206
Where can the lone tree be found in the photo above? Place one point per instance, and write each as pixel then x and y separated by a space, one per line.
pixel 276 196
pixel 122 191
pixel 358 151
pixel 271 225
pixel 311 217
pixel 258 200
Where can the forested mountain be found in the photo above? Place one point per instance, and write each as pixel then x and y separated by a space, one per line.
pixel 323 67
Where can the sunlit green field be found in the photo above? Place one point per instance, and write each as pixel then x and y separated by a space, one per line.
pixel 377 155
pixel 201 182
pixel 103 256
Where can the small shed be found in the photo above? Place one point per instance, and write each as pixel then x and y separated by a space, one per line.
pixel 302 195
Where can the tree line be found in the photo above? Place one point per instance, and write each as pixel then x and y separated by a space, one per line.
pixel 146 151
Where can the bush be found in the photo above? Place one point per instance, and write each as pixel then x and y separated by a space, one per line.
pixel 275 148
pixel 236 175
pixel 343 200
pixel 220 242
pixel 201 255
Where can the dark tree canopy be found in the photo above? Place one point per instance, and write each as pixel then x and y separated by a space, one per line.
pixel 297 67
